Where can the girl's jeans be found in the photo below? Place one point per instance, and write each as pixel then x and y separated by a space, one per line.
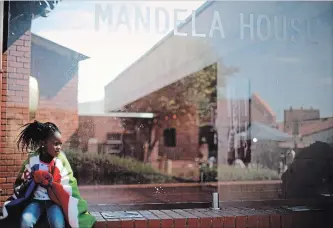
pixel 35 209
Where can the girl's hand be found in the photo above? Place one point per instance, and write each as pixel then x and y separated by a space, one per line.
pixel 44 178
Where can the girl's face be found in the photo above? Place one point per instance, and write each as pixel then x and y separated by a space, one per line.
pixel 53 144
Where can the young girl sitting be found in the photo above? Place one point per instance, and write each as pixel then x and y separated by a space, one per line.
pixel 46 183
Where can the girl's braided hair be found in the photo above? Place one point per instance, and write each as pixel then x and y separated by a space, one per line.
pixel 34 134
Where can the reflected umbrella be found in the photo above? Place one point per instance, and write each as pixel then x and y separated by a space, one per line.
pixel 263 132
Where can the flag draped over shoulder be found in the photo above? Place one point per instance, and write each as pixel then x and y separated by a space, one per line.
pixel 62 189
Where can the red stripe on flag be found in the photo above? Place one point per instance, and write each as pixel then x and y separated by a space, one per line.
pixel 56 175
pixel 59 195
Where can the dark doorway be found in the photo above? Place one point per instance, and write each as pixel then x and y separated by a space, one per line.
pixel 208 134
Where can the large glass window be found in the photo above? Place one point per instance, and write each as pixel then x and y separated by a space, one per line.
pixel 166 102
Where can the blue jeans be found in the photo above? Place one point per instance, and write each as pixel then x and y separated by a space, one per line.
pixel 35 209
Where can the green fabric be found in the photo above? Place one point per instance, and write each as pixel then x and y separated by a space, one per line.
pixel 85 219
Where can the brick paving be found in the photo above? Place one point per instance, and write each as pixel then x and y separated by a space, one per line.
pixel 233 217
pixel 229 217
pixel 168 206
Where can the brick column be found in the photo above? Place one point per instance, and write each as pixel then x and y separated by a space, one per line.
pixel 14 110
pixel 61 109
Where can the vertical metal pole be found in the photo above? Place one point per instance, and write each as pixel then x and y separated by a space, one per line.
pixel 215 204
pixel 250 126
pixel 1 29
pixel 1 46
pixel 250 106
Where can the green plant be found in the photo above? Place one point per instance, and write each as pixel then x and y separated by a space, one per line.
pixel 231 173
pixel 209 174
pixel 93 168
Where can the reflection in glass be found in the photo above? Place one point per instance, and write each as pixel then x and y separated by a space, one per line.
pixel 236 100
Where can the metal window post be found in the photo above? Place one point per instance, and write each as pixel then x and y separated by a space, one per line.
pixel 1 46
pixel 1 30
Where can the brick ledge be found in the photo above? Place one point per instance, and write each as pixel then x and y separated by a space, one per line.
pixel 224 218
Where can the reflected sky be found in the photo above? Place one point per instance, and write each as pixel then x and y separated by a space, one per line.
pixel 292 72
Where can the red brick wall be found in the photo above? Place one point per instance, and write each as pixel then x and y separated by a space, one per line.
pixel 260 114
pixel 97 127
pixel 14 109
pixel 104 125
pixel 187 133
pixel 61 109
pixel 186 124
pixel 301 114
pixel 249 190
pixel 57 75
pixel 86 131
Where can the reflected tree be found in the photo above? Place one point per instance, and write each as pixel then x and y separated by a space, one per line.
pixel 193 96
